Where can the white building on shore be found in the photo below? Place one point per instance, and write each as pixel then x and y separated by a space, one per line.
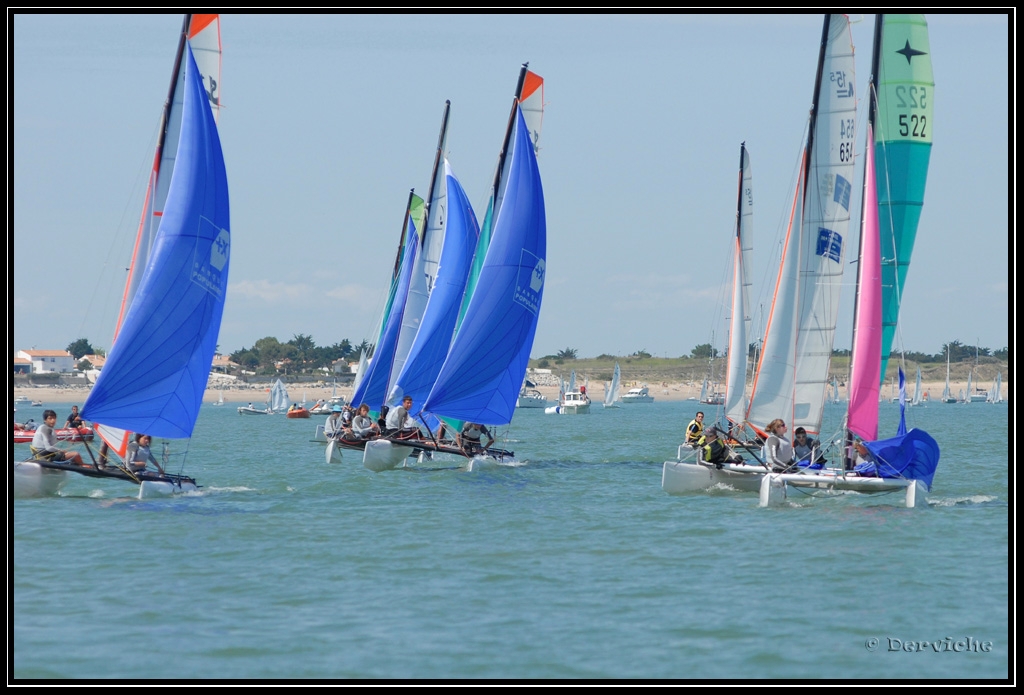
pixel 47 361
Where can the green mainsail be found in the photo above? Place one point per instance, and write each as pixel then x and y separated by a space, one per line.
pixel 902 94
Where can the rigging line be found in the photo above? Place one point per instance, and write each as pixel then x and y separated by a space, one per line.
pixel 120 230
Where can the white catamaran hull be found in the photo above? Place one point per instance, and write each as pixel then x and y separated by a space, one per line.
pixel 383 455
pixel 32 480
pixel 776 487
pixel 150 489
pixel 679 477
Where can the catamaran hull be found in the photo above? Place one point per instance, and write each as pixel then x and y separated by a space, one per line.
pixel 150 489
pixel 383 455
pixel 680 477
pixel 776 488
pixel 32 480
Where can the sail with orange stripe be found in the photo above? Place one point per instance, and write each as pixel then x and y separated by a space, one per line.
pixel 202 32
pixel 793 372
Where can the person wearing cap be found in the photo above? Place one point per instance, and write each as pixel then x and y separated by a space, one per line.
pixel 363 426
pixel 334 427
pixel 715 451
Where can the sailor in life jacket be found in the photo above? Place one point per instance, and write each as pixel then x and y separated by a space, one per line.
pixel 695 430
pixel 715 451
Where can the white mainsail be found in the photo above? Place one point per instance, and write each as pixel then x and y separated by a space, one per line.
pixel 793 372
pixel 736 372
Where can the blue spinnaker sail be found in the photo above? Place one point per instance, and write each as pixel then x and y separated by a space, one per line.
pixel 373 388
pixel 914 455
pixel 481 377
pixel 434 337
pixel 156 373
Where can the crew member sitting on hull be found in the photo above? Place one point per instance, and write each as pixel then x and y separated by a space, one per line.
pixel 715 451
pixel 469 439
pixel 334 426
pixel 44 443
pixel 695 431
pixel 398 424
pixel 363 427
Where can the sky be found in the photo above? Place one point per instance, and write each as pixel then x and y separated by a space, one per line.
pixel 329 120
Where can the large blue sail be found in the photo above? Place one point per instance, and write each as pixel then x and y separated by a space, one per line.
pixel 430 347
pixel 156 373
pixel 481 377
pixel 373 388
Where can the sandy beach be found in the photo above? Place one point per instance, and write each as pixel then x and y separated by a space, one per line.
pixel 56 396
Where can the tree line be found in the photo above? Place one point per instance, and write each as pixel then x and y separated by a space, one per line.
pixel 958 352
pixel 302 355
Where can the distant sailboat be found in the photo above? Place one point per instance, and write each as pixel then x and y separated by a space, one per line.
pixel 995 394
pixel 918 392
pixel 611 390
pixel 947 397
pixel 220 401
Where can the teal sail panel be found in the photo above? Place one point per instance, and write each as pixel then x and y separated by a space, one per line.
pixel 903 87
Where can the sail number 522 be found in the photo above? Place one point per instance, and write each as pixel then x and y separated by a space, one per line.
pixel 912 97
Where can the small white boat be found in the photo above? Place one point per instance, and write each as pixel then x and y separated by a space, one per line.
pixel 250 410
pixel 531 398
pixel 574 403
pixel 640 395
pixel 22 400
pixel 220 401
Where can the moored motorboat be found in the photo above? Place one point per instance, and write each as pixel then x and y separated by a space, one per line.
pixel 572 403
pixel 64 434
pixel 531 398
pixel 638 395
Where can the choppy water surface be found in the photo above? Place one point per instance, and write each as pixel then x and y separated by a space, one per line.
pixel 573 563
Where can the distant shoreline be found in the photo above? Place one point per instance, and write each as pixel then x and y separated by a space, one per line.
pixel 257 394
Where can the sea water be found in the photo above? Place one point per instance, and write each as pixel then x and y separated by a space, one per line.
pixel 572 563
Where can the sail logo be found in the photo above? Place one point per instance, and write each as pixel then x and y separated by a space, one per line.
pixel 208 272
pixel 530 281
pixel 842 192
pixel 844 87
pixel 830 244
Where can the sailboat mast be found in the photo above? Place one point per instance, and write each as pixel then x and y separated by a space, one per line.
pixel 503 153
pixel 402 241
pixel 144 235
